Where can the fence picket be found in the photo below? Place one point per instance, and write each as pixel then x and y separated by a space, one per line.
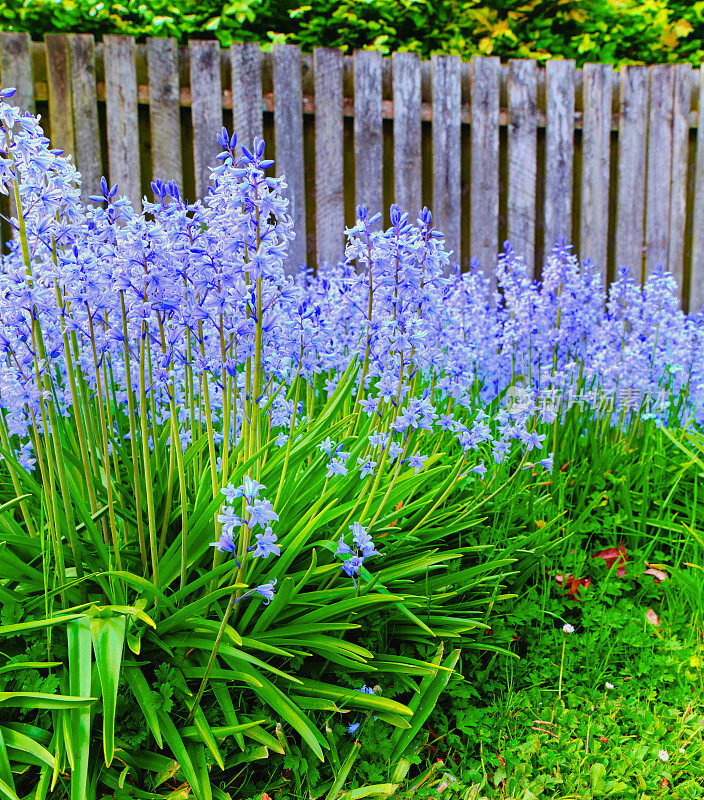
pixel 681 102
pixel 633 125
pixel 58 62
pixel 522 157
pixel 206 108
pixel 16 68
pixel 559 152
pixel 164 110
pixel 329 197
pixel 407 132
pixel 596 149
pixel 288 136
pixel 447 98
pixel 484 219
pixel 696 284
pixel 657 219
pixel 122 119
pixel 368 133
pixel 85 112
pixel 246 62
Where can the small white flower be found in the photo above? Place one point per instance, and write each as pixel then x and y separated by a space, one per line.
pixel 664 755
pixel 567 628
pixel 681 749
pixel 609 685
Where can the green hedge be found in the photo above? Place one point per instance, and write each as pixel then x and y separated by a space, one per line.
pixel 616 31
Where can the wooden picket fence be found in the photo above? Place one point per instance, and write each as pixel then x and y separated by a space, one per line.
pixel 612 160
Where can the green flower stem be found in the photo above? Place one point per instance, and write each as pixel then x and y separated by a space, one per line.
pixel 211 660
pixel 146 455
pixel 38 347
pixel 133 442
pixel 169 493
pixel 106 448
pixel 81 428
pixel 443 497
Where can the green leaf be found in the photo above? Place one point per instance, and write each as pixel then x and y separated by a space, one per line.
pixel 108 637
pixel 6 790
pixel 341 777
pixel 79 676
pixel 5 768
pixel 203 732
pixel 143 694
pixel 43 700
pixel 178 748
pixel 19 741
pixel 423 703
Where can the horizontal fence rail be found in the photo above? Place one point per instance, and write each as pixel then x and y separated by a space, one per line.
pixel 611 160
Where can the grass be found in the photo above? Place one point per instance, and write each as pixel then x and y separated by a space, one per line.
pixel 614 708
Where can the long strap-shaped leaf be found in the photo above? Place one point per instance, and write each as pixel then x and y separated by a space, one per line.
pixel 79 676
pixel 423 703
pixel 5 768
pixel 108 636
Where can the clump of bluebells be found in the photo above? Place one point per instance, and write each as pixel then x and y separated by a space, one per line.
pixel 180 317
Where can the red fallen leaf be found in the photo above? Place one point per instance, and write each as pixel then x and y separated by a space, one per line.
pixel 658 574
pixel 604 739
pixel 572 585
pixel 614 555
pixel 652 617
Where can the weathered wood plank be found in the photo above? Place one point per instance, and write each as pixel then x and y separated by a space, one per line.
pixel 681 103
pixel 522 157
pixel 329 195
pixel 122 120
pixel 657 220
pixel 288 135
pixel 559 152
pixel 368 133
pixel 206 111
pixel 246 62
pixel 85 112
pixel 447 98
pixel 407 132
pixel 484 220
pixel 696 285
pixel 16 68
pixel 630 213
pixel 596 151
pixel 58 62
pixel 16 72
pixel 164 110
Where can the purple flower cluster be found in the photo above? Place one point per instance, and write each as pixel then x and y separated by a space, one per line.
pixel 355 555
pixel 258 512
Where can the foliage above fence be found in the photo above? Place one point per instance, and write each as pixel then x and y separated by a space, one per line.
pixel 611 31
